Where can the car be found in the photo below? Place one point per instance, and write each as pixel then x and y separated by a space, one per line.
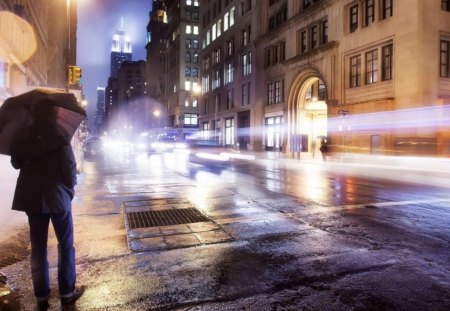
pixel 93 147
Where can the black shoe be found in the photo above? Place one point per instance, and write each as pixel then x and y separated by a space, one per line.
pixel 43 305
pixel 77 293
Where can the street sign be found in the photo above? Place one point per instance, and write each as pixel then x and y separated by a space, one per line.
pixel 343 112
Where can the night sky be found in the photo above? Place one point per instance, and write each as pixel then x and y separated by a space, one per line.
pixel 98 20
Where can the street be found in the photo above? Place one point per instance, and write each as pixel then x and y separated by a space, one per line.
pixel 279 234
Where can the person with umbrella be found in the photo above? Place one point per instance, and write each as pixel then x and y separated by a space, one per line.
pixel 45 187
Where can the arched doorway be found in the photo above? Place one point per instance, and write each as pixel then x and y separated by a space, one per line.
pixel 307 113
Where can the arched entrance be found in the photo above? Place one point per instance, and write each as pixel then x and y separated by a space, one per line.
pixel 307 112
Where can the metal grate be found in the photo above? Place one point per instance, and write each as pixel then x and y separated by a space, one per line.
pixel 164 218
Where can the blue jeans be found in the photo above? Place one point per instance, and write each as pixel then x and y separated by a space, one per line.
pixel 63 226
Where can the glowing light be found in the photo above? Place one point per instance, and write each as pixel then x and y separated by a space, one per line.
pixel 19 37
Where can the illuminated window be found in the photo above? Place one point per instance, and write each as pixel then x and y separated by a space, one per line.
pixel 371 66
pixel 229 131
pixel 195 30
pixel 355 71
pixel 187 85
pixel 188 29
pixel 190 119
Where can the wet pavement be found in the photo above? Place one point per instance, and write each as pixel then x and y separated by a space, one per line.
pixel 293 235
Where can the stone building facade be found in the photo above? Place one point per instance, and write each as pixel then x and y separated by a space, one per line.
pixel 369 75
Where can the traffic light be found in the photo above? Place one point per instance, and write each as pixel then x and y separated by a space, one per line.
pixel 77 75
pixel 70 75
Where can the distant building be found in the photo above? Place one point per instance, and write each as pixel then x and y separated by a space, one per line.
pixel 100 110
pixel 183 73
pixel 156 47
pixel 121 50
pixel 134 111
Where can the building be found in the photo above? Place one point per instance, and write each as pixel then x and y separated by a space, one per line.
pixel 183 72
pixel 227 106
pixel 100 109
pixel 121 50
pixel 368 75
pixel 156 48
pixel 37 43
pixel 134 111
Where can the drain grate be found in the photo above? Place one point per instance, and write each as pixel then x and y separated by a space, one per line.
pixel 164 218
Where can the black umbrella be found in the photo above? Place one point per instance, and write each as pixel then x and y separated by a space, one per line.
pixel 38 121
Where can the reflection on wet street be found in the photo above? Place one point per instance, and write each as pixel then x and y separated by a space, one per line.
pixel 282 234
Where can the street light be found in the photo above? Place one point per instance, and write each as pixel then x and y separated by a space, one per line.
pixel 156 113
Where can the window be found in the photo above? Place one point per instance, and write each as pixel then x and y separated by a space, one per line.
pixel 195 72
pixel 187 71
pixel 444 60
pixel 195 44
pixel 386 8
pixel 247 64
pixel 245 93
pixel 245 37
pixel 188 43
pixel 229 73
pixel 324 31
pixel 217 56
pixel 216 80
pixel 188 29
pixel 230 99
pixel 314 41
pixel 369 12
pixel 371 66
pixel 190 119
pixel 270 94
pixel 195 58
pixel 353 18
pixel 206 84
pixel 186 102
pixel 355 71
pixel 187 85
pixel 445 5
pixel 307 3
pixel 195 102
pixel 387 52
pixel 187 57
pixel 229 131
pixel 275 92
pixel 230 47
pixel 226 22
pixel 206 63
pixel 303 42
pixel 278 92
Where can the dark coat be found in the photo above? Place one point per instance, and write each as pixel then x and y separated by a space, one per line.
pixel 46 183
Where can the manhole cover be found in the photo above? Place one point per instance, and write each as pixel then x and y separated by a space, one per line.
pixel 169 217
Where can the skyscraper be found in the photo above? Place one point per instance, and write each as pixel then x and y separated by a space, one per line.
pixel 121 50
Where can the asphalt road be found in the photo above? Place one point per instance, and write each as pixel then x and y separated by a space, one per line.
pixel 304 235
